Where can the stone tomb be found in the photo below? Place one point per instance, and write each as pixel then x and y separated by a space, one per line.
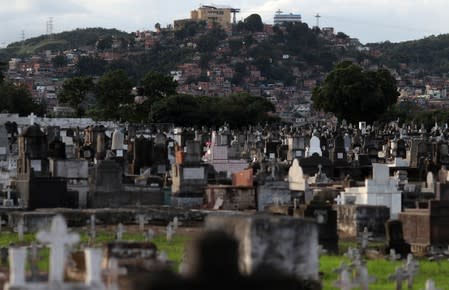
pixel 285 244
pixel 381 190
pixel 424 227
pixel 395 238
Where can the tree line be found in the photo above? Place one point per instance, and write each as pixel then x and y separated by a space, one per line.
pixel 155 100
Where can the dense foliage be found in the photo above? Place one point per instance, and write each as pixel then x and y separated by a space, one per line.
pixel 353 94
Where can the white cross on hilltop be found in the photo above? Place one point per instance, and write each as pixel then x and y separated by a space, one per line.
pixel 58 237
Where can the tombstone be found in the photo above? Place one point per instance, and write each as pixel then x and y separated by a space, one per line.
pixel 20 229
pixel 315 146
pixel 58 238
pixel 401 150
pixel 119 232
pixel 260 247
pixel 117 140
pixel 92 232
pixel 347 142
pixel 149 235
pixel 297 180
pixel 169 232
pixel 345 282
pixel 395 238
pixel 141 220
pixel 363 278
pixel 412 268
pixel 339 156
pixel 4 143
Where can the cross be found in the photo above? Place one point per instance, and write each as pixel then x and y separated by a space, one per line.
pixel 339 200
pixel 141 220
pixel 20 229
pixel 393 256
pixel 32 117
pixel 399 276
pixel 412 268
pixel 176 223
pixel 363 278
pixel 365 238
pixel 112 273
pixel 345 282
pixel 92 232
pixel 149 235
pixel 169 232
pixel 119 232
pixel 58 238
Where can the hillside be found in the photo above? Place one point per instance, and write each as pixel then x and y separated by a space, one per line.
pixel 61 41
pixel 429 55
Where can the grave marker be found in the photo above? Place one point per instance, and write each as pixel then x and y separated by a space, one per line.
pixel 113 273
pixel 399 276
pixel 119 232
pixel 58 238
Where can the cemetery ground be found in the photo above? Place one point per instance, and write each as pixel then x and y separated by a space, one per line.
pixel 379 267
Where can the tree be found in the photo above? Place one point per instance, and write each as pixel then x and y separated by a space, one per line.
pixel 16 99
pixel 59 61
pixel 113 93
pixel 253 23
pixel 156 85
pixel 356 95
pixel 74 92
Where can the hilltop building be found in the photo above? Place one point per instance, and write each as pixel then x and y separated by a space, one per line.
pixel 281 18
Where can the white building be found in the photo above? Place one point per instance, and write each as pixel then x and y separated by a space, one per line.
pixel 280 18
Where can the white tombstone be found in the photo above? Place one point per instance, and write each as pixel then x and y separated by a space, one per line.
pixel 17 261
pixel 169 232
pixel 58 238
pixel 296 179
pixel 94 258
pixel 430 181
pixel 119 232
pixel 315 146
pixel 117 140
pixel 347 141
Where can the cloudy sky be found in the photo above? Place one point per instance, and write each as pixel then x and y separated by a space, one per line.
pixel 368 20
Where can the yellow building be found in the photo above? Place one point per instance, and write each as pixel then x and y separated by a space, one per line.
pixel 213 14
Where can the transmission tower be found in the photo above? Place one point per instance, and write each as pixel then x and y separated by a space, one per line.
pixel 317 16
pixel 22 37
pixel 50 27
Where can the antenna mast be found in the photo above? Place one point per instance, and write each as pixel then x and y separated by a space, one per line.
pixel 317 16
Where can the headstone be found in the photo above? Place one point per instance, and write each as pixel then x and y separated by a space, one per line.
pixel 141 219
pixel 259 243
pixel 117 140
pixel 395 238
pixel 20 229
pixel 92 231
pixel 17 262
pixel 296 178
pixel 119 232
pixel 94 259
pixel 169 232
pixel 149 235
pixel 58 238
pixel 412 268
pixel 430 285
pixel 315 146
pixel 363 278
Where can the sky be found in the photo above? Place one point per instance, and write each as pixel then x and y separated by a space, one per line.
pixel 367 20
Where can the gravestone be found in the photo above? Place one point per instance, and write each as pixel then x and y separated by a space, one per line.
pixel 399 276
pixel 395 238
pixel 4 143
pixel 315 146
pixel 259 243
pixel 339 156
pixel 58 238
pixel 296 179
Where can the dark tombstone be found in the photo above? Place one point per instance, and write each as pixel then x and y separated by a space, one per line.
pixel 443 153
pixel 339 156
pixel 395 238
pixel 56 149
pixel 401 150
pixel 139 154
pixel 326 218
pixel 193 152
pixel 108 176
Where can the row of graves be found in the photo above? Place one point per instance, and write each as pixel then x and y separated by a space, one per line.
pixel 379 170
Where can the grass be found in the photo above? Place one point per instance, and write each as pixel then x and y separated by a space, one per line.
pixel 379 268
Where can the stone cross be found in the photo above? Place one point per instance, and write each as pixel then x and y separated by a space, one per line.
pixel 169 232
pixel 399 276
pixel 412 268
pixel 20 229
pixel 339 200
pixel 345 282
pixel 393 256
pixel 141 220
pixel 363 278
pixel 32 117
pixel 364 240
pixel 176 223
pixel 112 273
pixel 119 232
pixel 92 231
pixel 58 238
pixel 149 235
